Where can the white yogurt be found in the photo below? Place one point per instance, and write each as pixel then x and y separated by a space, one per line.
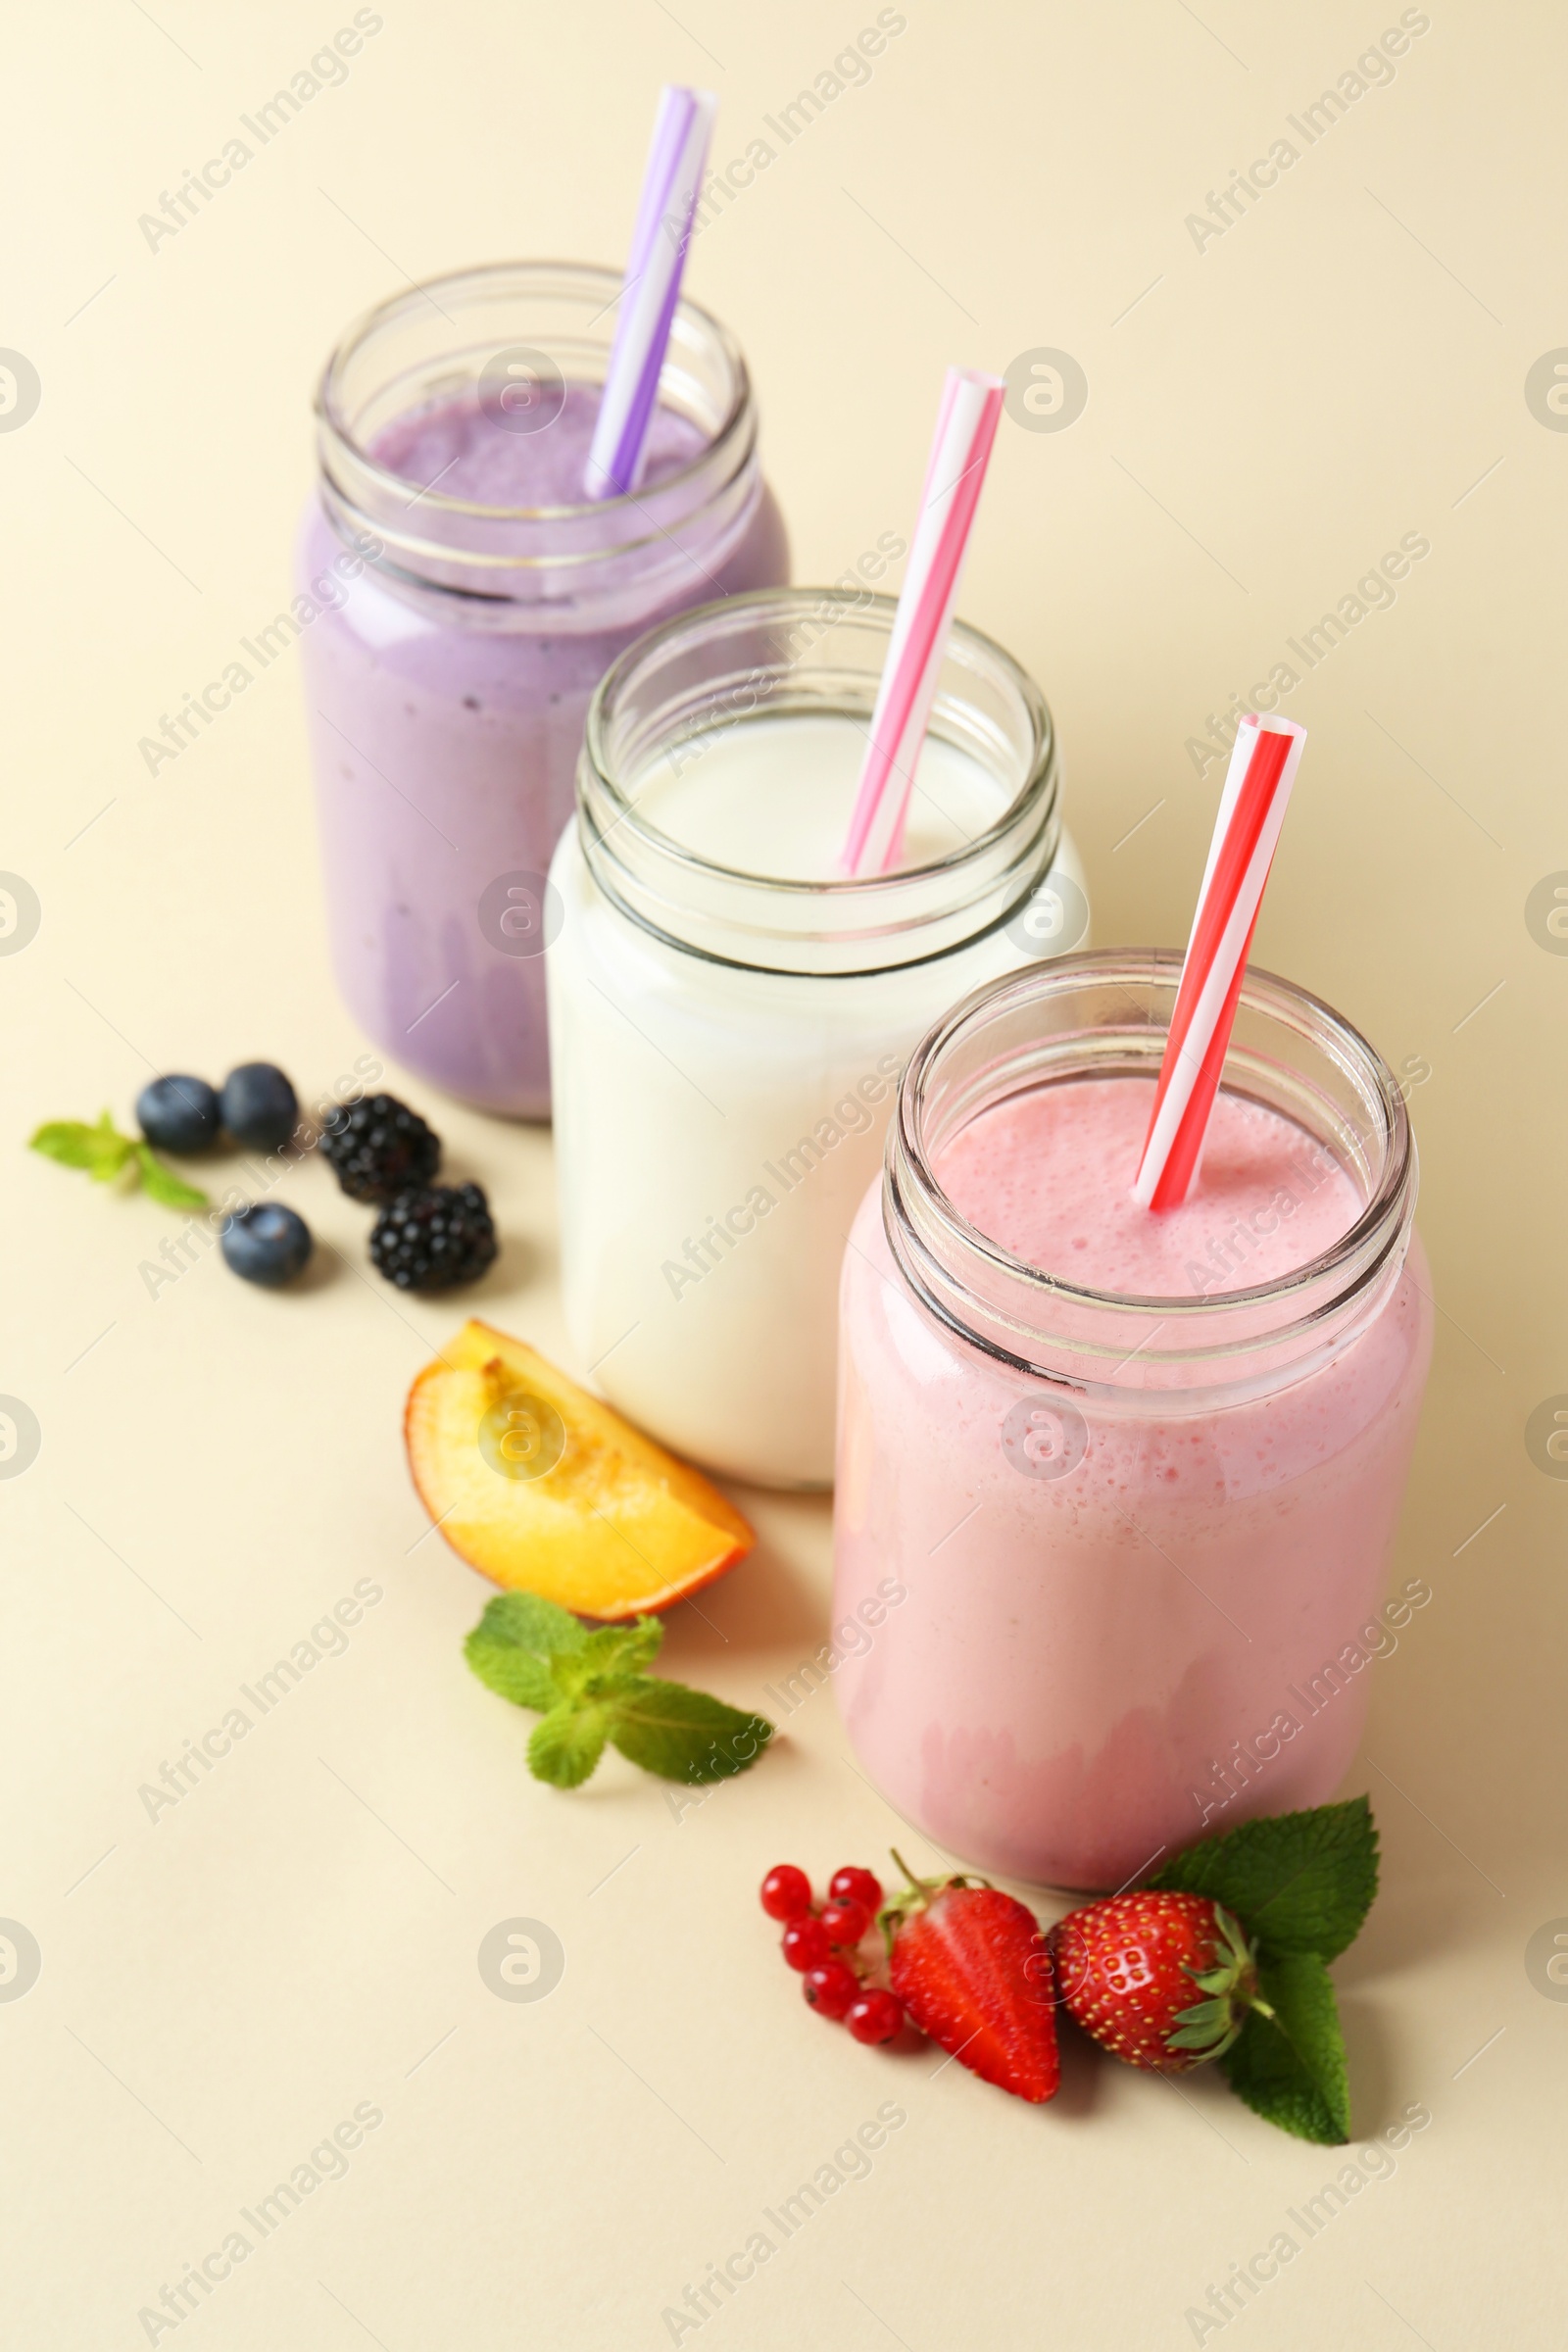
pixel 773 795
pixel 725 1061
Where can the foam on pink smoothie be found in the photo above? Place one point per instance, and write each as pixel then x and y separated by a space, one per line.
pixel 1049 1176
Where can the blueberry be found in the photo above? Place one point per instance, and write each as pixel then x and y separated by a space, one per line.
pixel 260 1107
pixel 180 1114
pixel 264 1243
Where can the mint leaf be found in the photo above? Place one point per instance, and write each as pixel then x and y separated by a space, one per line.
pixel 511 1647
pixel 567 1745
pixel 1289 2069
pixel 1298 1881
pixel 624 1649
pixel 607 1659
pixel 65 1139
pixel 99 1150
pixel 513 1673
pixel 526 1621
pixel 109 1150
pixel 684 1735
pixel 162 1184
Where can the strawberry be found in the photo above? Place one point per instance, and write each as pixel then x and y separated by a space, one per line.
pixel 973 1970
pixel 1127 1969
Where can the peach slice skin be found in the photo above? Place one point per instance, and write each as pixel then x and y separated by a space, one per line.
pixel 612 1526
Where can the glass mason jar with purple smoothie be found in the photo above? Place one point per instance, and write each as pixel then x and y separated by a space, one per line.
pixel 466 598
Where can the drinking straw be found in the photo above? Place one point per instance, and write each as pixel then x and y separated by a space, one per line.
pixel 675 163
pixel 1257 785
pixel 961 450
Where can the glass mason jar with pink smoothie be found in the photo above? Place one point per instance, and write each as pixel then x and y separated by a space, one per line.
pixel 465 597
pixel 1134 1476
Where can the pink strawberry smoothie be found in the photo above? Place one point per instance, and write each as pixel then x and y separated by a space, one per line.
pixel 1135 1613
pixel 1048 1175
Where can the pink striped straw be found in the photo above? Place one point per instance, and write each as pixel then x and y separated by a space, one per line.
pixel 676 161
pixel 1258 786
pixel 961 450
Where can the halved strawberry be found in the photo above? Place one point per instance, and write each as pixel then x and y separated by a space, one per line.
pixel 973 1970
pixel 1128 1969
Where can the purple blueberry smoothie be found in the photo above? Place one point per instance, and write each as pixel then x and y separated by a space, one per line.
pixel 447 682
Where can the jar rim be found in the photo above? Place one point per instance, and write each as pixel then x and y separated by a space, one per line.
pixel 963 1259
pixel 801 604
pixel 526 274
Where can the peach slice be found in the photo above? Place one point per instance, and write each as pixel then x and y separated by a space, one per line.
pixel 542 1487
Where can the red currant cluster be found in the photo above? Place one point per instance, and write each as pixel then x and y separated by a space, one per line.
pixel 824 1945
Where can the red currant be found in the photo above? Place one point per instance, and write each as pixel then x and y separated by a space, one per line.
pixel 806 1944
pixel 831 1988
pixel 786 1892
pixel 845 1920
pixel 859 1886
pixel 876 2016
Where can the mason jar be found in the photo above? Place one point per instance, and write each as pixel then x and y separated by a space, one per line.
pixel 458 599
pixel 1138 1543
pixel 729 1015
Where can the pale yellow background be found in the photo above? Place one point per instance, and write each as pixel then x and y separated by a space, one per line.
pixel 218 1465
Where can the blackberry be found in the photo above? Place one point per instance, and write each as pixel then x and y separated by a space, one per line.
pixel 434 1238
pixel 379 1148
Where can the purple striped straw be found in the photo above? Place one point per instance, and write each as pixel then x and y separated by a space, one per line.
pixel 676 161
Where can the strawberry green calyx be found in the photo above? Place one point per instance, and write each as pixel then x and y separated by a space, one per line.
pixel 918 1896
pixel 1230 1986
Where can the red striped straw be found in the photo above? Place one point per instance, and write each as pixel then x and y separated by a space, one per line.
pixel 660 241
pixel 1251 811
pixel 961 450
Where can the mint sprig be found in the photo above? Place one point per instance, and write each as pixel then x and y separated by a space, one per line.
pixel 1300 1885
pixel 104 1153
pixel 590 1691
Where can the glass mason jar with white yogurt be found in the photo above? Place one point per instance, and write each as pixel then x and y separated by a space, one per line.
pixel 729 1012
